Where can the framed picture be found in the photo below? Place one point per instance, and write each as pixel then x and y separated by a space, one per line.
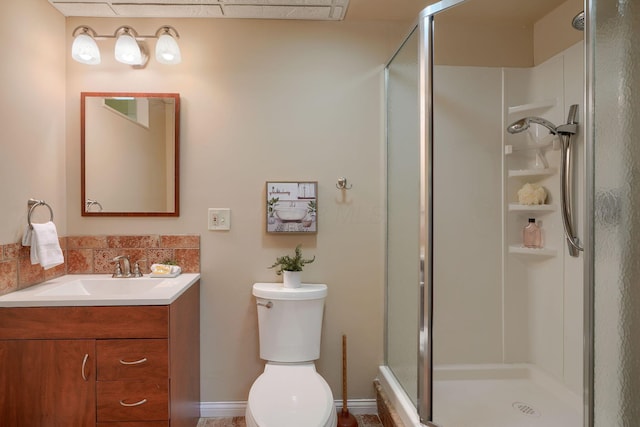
pixel 292 207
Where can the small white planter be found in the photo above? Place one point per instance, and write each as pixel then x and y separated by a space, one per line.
pixel 291 279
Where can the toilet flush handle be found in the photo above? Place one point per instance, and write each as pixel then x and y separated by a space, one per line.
pixel 269 304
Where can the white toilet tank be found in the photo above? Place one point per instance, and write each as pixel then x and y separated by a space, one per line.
pixel 289 321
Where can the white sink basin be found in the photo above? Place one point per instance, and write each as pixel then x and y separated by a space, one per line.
pixel 103 287
pixel 100 289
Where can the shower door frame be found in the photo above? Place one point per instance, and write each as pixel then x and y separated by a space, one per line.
pixel 424 26
pixel 426 64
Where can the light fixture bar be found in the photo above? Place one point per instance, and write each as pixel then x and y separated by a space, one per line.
pixel 128 49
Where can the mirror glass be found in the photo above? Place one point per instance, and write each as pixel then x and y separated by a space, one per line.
pixel 130 154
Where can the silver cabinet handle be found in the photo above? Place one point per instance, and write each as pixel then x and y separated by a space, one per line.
pixel 268 304
pixel 128 405
pixel 135 362
pixel 84 365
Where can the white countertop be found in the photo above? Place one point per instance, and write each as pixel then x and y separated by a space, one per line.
pixel 100 290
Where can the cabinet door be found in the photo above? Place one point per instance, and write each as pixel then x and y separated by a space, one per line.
pixel 47 383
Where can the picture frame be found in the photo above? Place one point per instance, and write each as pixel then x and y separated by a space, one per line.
pixel 292 207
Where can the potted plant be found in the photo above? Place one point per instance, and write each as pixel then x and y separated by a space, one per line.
pixel 291 267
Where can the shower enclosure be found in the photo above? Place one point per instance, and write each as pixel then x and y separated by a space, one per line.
pixel 481 331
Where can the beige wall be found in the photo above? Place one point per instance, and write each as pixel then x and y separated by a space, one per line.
pixel 32 81
pixel 260 100
pixel 265 100
pixel 464 40
pixel 480 44
pixel 553 33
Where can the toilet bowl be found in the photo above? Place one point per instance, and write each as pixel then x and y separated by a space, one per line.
pixel 290 393
pixel 290 396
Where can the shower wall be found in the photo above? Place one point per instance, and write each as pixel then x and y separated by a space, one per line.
pixel 492 305
pixel 543 294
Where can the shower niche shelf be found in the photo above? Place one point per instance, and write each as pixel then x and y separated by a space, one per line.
pixel 547 103
pixel 542 252
pixel 514 173
pixel 517 207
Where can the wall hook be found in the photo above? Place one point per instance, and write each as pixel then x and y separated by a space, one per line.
pixel 342 184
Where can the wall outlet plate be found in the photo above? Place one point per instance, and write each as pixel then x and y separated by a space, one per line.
pixel 219 219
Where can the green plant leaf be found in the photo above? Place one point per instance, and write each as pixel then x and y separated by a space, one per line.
pixel 295 263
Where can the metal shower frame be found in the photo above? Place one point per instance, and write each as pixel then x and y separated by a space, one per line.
pixel 424 26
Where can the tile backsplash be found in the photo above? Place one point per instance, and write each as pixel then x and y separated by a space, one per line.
pixel 93 255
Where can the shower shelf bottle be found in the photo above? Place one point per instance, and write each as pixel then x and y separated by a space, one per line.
pixel 532 235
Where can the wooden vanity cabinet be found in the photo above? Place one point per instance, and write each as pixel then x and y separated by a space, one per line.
pixel 116 366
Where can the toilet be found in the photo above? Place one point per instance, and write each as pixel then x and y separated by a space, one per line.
pixel 290 393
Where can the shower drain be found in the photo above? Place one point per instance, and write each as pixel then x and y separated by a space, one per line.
pixel 525 409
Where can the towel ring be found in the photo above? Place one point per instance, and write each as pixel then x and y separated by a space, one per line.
pixel 33 203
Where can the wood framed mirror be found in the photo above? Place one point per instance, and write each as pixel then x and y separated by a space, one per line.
pixel 130 156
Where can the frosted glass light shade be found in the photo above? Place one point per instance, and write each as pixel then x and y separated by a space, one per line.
pixel 85 49
pixel 167 50
pixel 127 50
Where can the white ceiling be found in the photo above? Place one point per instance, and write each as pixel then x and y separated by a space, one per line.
pixel 262 9
pixel 517 11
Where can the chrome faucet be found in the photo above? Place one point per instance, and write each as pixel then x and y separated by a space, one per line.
pixel 123 270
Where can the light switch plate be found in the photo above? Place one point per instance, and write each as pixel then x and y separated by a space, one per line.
pixel 219 219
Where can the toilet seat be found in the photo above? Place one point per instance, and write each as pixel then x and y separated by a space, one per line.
pixel 290 395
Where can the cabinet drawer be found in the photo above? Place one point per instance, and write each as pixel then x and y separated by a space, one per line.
pixel 84 322
pixel 132 359
pixel 135 424
pixel 132 400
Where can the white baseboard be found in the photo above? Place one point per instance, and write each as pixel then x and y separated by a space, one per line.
pixel 222 409
pixel 237 409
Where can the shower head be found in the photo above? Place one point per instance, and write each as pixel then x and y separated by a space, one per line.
pixel 523 124
pixel 578 21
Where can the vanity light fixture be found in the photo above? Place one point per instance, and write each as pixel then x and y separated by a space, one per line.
pixel 84 48
pixel 129 47
pixel 167 50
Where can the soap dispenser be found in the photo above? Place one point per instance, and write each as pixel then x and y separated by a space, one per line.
pixel 531 235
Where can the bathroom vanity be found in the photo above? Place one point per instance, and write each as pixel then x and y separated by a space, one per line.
pixel 105 366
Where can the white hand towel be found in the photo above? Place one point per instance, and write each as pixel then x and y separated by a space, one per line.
pixel 27 236
pixel 45 246
pixel 28 240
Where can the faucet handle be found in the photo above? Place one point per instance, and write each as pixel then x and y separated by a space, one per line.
pixel 136 268
pixel 118 272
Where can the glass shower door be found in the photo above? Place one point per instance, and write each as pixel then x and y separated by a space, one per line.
pixel 403 216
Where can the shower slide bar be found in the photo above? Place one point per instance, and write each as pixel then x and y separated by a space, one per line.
pixel 566 187
pixel 565 132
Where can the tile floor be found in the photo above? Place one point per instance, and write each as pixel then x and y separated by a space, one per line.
pixel 363 421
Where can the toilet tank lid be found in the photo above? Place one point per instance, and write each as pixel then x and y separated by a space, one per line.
pixel 276 291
